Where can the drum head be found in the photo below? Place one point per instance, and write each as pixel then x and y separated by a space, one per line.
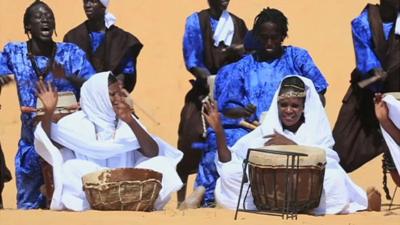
pixel 65 101
pixel 315 156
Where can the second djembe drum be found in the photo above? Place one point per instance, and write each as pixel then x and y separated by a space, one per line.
pixel 271 179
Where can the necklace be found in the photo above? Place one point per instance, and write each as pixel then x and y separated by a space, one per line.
pixel 41 74
pixel 114 132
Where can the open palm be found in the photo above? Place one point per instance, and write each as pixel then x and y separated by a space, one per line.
pixel 48 95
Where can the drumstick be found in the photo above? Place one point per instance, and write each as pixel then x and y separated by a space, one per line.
pixel 146 113
pixel 371 80
pixel 248 125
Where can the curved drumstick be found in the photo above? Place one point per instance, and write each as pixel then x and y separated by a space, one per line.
pixel 146 113
pixel 248 125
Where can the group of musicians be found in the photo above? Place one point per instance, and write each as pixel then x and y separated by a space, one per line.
pixel 257 79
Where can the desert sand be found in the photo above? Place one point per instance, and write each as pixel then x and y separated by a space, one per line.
pixel 322 27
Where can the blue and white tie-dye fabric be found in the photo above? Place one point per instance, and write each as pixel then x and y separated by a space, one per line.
pixel 14 60
pixel 193 45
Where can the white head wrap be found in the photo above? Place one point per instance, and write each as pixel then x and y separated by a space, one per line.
pixel 109 18
pixel 95 102
pixel 316 130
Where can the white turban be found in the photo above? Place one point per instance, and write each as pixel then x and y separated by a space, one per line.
pixel 109 18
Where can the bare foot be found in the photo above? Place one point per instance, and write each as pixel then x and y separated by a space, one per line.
pixel 374 199
pixel 194 199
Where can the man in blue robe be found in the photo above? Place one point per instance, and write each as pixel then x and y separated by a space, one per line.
pixel 213 38
pixel 62 64
pixel 357 134
pixel 244 90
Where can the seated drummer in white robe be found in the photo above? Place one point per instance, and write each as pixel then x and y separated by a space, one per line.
pixel 387 111
pixel 104 134
pixel 296 116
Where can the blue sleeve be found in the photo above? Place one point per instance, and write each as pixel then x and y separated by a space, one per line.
pixel 5 63
pixel 366 59
pixel 230 88
pixel 79 64
pixel 310 70
pixel 129 65
pixel 193 50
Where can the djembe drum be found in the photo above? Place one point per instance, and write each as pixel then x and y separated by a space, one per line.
pixel 276 185
pixel 122 189
pixel 66 105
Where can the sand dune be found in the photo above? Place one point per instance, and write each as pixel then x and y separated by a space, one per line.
pixel 322 27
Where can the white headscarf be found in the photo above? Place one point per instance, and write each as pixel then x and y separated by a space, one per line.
pixel 315 131
pixel 316 128
pixel 109 18
pixel 95 102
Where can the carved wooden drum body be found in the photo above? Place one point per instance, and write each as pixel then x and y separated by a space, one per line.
pixel 122 189
pixel 271 179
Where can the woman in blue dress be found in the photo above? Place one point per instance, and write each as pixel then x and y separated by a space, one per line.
pixel 245 89
pixel 40 58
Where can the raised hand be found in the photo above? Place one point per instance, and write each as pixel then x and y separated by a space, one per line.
pixel 212 115
pixel 381 110
pixel 122 107
pixel 278 139
pixel 48 95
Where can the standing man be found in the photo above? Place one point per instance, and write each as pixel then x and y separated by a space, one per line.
pixel 64 65
pixel 213 38
pixel 377 46
pixel 108 47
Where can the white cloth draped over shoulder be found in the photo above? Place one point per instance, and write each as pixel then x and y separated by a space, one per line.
pixel 394 115
pixel 91 141
pixel 109 19
pixel 225 29
pixel 340 195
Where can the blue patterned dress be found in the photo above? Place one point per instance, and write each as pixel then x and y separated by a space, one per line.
pixel 249 81
pixel 14 60
pixel 366 59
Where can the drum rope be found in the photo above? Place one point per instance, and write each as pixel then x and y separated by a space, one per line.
pixel 203 119
pixel 386 168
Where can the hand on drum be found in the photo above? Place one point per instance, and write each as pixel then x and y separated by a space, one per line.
pixel 48 95
pixel 212 115
pixel 381 110
pixel 278 139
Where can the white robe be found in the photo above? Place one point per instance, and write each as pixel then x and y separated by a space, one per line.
pixel 394 115
pixel 340 195
pixel 92 141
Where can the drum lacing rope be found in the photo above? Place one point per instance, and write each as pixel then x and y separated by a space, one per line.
pixel 385 168
pixel 203 119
